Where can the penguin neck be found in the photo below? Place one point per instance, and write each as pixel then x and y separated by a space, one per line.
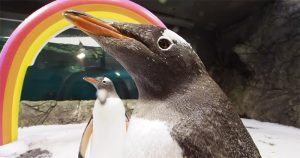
pixel 202 87
pixel 164 88
pixel 108 116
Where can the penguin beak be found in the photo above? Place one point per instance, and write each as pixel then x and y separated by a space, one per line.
pixel 92 25
pixel 91 80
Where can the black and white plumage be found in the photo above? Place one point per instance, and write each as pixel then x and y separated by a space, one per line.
pixel 181 111
pixel 104 135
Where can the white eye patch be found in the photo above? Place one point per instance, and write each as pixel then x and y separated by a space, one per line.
pixel 106 79
pixel 175 37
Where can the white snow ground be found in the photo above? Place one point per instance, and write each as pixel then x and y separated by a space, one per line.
pixel 272 140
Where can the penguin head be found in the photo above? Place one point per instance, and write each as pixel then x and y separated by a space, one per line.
pixel 158 59
pixel 105 87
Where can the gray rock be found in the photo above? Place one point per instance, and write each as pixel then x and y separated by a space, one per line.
pixel 64 112
pixel 60 112
pixel 85 110
pixel 268 47
pixel 34 113
pixel 36 153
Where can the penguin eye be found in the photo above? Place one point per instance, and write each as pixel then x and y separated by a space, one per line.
pixel 164 43
pixel 104 81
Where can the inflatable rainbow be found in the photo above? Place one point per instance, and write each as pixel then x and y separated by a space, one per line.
pixel 33 33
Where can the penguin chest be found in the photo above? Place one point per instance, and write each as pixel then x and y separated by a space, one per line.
pixel 150 139
pixel 109 130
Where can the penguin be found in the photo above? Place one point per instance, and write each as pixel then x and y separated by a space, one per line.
pixel 104 134
pixel 181 112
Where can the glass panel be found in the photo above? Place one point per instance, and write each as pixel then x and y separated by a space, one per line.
pixel 59 68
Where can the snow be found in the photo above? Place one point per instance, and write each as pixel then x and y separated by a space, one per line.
pixel 273 140
pixel 61 140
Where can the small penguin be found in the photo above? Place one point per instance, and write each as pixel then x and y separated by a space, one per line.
pixel 104 134
pixel 181 112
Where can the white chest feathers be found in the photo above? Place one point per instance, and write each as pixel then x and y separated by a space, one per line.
pixel 109 129
pixel 150 139
pixel 144 138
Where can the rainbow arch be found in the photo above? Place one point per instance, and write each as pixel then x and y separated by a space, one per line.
pixel 33 33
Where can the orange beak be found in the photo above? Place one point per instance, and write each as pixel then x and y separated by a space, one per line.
pixel 92 25
pixel 91 80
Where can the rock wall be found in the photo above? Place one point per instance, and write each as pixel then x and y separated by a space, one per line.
pixel 59 112
pixel 260 57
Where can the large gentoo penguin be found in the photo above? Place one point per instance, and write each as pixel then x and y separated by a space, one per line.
pixel 181 111
pixel 104 136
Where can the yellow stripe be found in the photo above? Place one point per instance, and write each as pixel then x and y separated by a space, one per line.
pixel 14 82
pixel 30 48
